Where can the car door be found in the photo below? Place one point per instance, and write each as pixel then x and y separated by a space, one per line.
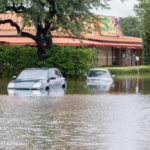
pixel 52 78
pixel 58 79
pixel 61 78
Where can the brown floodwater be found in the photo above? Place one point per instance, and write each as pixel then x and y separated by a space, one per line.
pixel 114 117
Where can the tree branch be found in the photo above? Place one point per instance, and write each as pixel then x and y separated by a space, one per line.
pixel 54 28
pixel 18 9
pixel 26 34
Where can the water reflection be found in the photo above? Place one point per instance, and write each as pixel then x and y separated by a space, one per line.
pixel 133 84
pixel 122 84
pixel 126 84
pixel 3 85
pixel 101 87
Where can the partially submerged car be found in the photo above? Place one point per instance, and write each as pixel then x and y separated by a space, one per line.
pixel 38 79
pixel 98 76
pixel 98 80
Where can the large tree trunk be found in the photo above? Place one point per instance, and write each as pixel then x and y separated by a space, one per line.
pixel 41 52
pixel 43 46
pixel 43 41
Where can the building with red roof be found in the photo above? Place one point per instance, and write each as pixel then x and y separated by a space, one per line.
pixel 112 47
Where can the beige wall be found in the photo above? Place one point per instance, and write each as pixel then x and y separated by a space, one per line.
pixel 102 52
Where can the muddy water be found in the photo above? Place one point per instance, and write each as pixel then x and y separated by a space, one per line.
pixel 91 118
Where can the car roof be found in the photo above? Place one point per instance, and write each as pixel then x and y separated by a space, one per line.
pixel 98 69
pixel 40 68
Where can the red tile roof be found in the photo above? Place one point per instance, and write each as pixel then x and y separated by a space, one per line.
pixel 67 41
pixel 17 40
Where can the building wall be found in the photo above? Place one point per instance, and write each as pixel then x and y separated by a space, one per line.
pixel 127 57
pixel 104 56
pixel 107 56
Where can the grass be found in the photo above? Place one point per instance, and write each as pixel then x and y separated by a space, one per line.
pixel 128 70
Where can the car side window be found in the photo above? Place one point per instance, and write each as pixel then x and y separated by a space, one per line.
pixel 51 73
pixel 60 75
pixel 56 73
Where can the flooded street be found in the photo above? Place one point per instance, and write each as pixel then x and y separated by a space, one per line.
pixel 107 117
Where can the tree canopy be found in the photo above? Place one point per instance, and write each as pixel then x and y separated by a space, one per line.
pixel 131 26
pixel 142 9
pixel 71 16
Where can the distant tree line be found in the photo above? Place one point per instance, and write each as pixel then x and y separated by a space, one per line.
pixel 142 9
pixel 131 26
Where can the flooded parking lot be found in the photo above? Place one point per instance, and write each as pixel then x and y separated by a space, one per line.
pixel 110 117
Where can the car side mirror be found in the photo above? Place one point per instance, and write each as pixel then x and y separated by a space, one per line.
pixel 14 77
pixel 51 78
pixel 85 75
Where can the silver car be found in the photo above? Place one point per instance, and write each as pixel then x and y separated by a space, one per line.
pixel 38 79
pixel 98 76
pixel 99 80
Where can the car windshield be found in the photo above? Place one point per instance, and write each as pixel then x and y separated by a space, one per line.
pixel 33 75
pixel 98 73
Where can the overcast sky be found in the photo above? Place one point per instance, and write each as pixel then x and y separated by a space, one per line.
pixel 119 9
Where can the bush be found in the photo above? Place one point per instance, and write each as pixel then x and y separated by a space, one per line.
pixel 15 58
pixel 71 61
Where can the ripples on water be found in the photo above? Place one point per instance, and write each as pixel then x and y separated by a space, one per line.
pixel 112 117
pixel 91 122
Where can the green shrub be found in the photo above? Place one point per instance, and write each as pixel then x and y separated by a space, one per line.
pixel 73 62
pixel 15 58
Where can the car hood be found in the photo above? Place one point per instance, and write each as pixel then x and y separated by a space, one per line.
pixel 24 84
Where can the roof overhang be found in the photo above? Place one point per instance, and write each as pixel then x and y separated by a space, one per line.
pixel 70 41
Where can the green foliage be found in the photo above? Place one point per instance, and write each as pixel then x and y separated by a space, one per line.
pixel 15 58
pixel 146 48
pixel 71 61
pixel 69 15
pixel 143 11
pixel 131 26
